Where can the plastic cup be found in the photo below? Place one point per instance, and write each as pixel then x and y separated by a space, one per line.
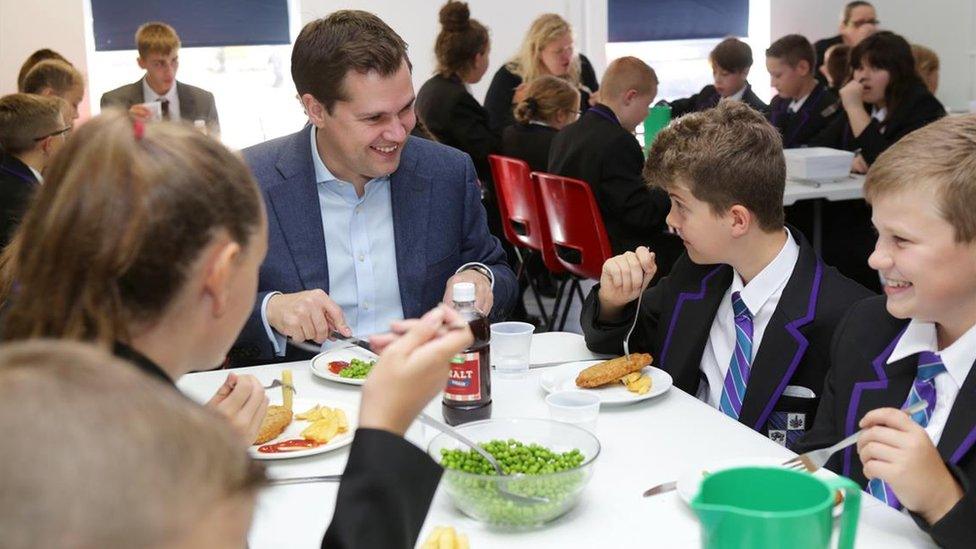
pixel 511 343
pixel 580 408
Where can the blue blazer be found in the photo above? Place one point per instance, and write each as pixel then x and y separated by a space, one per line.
pixel 439 224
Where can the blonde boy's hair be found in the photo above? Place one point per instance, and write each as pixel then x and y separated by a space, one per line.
pixel 101 455
pixel 628 73
pixel 156 37
pixel 941 155
pixel 727 155
pixel 26 117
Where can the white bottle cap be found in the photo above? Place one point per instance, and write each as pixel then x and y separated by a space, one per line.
pixel 463 291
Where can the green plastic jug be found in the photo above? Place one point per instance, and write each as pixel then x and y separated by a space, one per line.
pixel 658 118
pixel 766 507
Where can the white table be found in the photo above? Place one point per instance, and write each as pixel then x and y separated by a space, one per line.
pixel 643 444
pixel 848 189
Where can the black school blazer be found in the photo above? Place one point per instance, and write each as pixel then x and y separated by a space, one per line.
pixel 676 316
pixel 860 380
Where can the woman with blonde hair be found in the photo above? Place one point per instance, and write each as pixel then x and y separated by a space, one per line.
pixel 549 105
pixel 546 49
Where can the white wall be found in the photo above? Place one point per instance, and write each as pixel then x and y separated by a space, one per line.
pixel 507 21
pixel 29 25
pixel 946 26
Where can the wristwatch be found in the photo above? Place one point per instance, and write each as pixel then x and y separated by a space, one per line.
pixel 479 267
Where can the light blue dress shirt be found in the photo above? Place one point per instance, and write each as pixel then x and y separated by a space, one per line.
pixel 361 253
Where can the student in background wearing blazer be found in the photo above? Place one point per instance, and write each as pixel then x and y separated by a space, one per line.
pixel 600 149
pixel 367 224
pixel 88 265
pixel 858 20
pixel 744 320
pixel 546 49
pixel 32 130
pixel 57 78
pixel 884 101
pixel 918 342
pixel 159 49
pixel 836 68
pixel 550 104
pixel 731 60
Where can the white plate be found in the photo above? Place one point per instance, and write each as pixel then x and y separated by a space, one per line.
pixel 563 378
pixel 690 481
pixel 295 428
pixel 320 363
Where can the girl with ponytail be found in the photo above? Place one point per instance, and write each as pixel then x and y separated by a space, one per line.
pixel 550 104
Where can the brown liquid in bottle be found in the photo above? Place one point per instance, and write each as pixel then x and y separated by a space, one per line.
pixel 467 396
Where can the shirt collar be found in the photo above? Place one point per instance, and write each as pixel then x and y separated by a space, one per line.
pixel 757 292
pixel 141 361
pixel 738 95
pixel 797 104
pixel 37 174
pixel 879 114
pixel 920 336
pixel 323 175
pixel 149 95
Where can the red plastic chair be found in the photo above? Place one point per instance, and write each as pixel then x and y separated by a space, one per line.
pixel 579 238
pixel 523 219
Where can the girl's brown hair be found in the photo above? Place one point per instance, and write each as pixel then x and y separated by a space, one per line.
pixel 545 98
pixel 122 216
pixel 460 40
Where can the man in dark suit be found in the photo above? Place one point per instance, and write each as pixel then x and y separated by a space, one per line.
pixel 159 48
pixel 32 129
pixel 858 21
pixel 744 321
pixel 366 224
pixel 601 150
pixel 731 60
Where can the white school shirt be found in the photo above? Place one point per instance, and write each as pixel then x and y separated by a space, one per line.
pixel 761 296
pixel 150 96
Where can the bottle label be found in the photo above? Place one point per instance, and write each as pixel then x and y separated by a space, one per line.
pixel 464 385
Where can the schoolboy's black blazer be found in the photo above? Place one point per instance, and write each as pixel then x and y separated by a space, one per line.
pixel 599 151
pixel 529 142
pixel 708 98
pixel 456 119
pixel 676 316
pixel 817 112
pixel 860 380
pixel 918 108
pixel 17 186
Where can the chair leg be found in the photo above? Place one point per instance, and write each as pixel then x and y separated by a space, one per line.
pixel 555 308
pixel 532 287
pixel 574 287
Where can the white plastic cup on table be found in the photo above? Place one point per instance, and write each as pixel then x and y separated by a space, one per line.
pixel 155 110
pixel 511 343
pixel 580 408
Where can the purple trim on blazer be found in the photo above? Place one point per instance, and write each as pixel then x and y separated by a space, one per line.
pixel 684 296
pixel 793 329
pixel 882 383
pixel 964 447
pixel 605 112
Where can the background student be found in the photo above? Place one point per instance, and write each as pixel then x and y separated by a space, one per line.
pixel 731 60
pixel 59 79
pixel 600 149
pixel 159 56
pixel 546 49
pixel 803 106
pixel 42 54
pixel 836 67
pixel 745 318
pixel 858 20
pixel 549 105
pixel 917 342
pixel 927 65
pixel 32 130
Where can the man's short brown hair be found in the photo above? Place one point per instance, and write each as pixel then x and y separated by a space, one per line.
pixel 25 118
pixel 327 49
pixel 941 155
pixel 42 54
pixel 727 155
pixel 156 37
pixel 792 49
pixel 126 461
pixel 59 76
pixel 628 73
pixel 732 55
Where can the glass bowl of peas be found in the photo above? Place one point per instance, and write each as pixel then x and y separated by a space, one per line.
pixel 542 459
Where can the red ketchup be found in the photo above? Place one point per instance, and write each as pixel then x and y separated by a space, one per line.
pixel 292 445
pixel 337 366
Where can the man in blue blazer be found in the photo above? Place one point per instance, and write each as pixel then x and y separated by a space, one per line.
pixel 366 225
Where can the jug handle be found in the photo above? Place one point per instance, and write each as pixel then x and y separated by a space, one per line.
pixel 851 511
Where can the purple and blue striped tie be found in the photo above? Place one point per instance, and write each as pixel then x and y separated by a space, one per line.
pixel 929 366
pixel 737 377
